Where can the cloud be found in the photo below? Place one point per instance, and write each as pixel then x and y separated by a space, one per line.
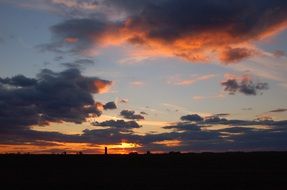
pixel 122 101
pixel 200 31
pixel 110 106
pixel 128 114
pixel 65 96
pixel 247 109
pixel 234 55
pixel 143 113
pixel 279 53
pixel 176 80
pixel 120 124
pixel 189 136
pixel 244 85
pixel 18 81
pixel 184 127
pixel 279 110
pixel 77 36
pixel 218 96
pixel 79 64
pixel 137 83
pixel 193 117
pixel 222 114
pixel 76 4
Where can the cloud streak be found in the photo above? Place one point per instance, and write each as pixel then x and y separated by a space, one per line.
pixel 176 80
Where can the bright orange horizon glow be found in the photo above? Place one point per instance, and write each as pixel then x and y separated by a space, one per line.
pixel 69 148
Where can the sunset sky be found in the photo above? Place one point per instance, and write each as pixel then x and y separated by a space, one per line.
pixel 143 75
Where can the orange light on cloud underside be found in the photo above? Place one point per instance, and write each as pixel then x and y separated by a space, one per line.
pixel 169 143
pixel 99 106
pixel 201 46
pixel 103 87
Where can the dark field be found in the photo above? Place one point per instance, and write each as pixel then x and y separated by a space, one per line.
pixel 183 171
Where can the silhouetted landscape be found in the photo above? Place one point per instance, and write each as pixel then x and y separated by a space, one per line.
pixel 260 170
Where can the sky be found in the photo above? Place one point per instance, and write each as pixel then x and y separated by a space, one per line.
pixel 143 75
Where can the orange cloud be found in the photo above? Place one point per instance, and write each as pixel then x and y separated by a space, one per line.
pixel 102 86
pixel 169 143
pixel 201 31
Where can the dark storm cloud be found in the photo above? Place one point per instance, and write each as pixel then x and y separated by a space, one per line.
pixel 245 86
pixel 129 114
pixel 189 29
pixel 79 64
pixel 110 106
pixel 193 117
pixel 120 124
pixel 51 97
pixel 279 110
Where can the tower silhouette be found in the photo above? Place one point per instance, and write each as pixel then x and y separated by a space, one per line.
pixel 106 150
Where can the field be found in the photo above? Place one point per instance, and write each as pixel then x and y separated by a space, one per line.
pixel 261 170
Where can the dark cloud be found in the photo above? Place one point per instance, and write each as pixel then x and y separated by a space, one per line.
pixel 236 122
pixel 222 114
pixel 18 81
pixel 279 53
pixel 214 120
pixel 193 117
pixel 129 114
pixel 184 127
pixel 51 97
pixel 188 29
pixel 143 113
pixel 234 55
pixel 75 35
pixel 191 137
pixel 79 64
pixel 123 101
pixel 244 85
pixel 218 119
pixel 110 106
pixel 120 124
pixel 279 110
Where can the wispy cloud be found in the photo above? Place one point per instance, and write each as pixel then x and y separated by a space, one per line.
pixel 177 80
pixel 137 83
